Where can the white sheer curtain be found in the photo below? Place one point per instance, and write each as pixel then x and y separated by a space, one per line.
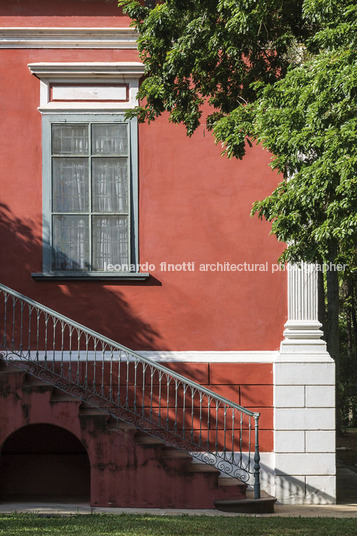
pixel 110 235
pixel 110 185
pixel 70 139
pixel 110 241
pixel 71 196
pixel 70 185
pixel 110 139
pixel 70 193
pixel 70 243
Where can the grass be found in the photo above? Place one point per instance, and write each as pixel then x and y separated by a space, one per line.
pixel 147 525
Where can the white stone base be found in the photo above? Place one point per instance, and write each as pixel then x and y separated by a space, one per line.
pixel 297 489
pixel 304 422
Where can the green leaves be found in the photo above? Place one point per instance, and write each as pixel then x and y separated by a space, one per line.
pixel 210 48
pixel 280 73
pixel 308 121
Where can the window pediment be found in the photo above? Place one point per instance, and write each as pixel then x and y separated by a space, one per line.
pixel 88 85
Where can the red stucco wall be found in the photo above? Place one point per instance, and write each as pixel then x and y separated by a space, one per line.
pixel 62 13
pixel 194 206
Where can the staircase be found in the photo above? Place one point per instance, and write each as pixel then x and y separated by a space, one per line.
pixel 154 438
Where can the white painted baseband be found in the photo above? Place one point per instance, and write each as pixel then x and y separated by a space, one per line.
pixel 239 356
pixel 316 374
pixel 157 357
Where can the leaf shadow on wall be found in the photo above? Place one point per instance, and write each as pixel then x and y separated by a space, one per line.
pixel 101 306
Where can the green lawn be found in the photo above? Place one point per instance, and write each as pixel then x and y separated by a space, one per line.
pixel 146 525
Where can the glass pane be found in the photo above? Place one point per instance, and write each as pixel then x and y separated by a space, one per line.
pixel 110 139
pixel 110 185
pixel 70 185
pixel 110 241
pixel 70 139
pixel 70 249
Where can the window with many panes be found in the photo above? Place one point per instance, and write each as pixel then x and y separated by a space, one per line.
pixel 90 192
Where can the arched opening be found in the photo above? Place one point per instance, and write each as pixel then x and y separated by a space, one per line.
pixel 44 462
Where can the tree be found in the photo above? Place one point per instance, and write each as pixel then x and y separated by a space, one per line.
pixel 281 73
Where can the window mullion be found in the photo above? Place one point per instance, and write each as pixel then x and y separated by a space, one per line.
pixel 50 258
pixel 129 194
pixel 90 249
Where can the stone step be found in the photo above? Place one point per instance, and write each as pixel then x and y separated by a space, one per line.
pixel 264 505
pixel 10 369
pixel 144 439
pixel 60 396
pixel 229 481
pixel 32 383
pixel 263 494
pixel 88 411
pixel 121 426
pixel 171 452
pixel 202 468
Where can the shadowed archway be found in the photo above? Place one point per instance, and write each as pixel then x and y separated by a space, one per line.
pixel 44 462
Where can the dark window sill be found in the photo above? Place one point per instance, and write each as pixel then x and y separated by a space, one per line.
pixel 80 276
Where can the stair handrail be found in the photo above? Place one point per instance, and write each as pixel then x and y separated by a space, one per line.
pixel 229 404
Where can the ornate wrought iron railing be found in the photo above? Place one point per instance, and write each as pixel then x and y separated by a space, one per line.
pixel 129 387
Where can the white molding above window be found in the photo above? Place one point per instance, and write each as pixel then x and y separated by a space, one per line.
pixel 14 37
pixel 104 78
pixel 91 70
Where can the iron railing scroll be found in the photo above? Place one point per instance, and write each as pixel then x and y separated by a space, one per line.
pixel 130 387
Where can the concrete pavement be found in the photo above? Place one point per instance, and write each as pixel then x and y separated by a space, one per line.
pixel 345 510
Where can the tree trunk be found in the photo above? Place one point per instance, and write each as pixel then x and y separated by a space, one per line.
pixel 332 315
pixel 321 302
pixel 352 288
pixel 333 327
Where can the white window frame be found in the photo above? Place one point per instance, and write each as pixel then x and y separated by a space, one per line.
pixel 79 75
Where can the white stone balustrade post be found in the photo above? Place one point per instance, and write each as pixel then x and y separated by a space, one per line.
pixel 304 400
